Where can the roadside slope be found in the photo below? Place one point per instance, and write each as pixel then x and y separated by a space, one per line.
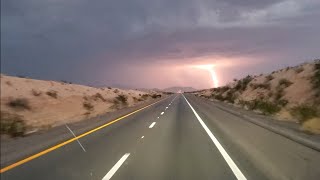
pixel 31 105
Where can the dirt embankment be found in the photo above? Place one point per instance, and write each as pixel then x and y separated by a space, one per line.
pixel 290 94
pixel 29 104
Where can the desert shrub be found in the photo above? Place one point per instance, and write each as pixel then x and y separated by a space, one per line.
pixel 269 78
pixel 35 92
pixel 243 83
pixel 230 96
pixel 299 69
pixel 52 93
pixel 109 88
pixel 8 83
pixel 285 83
pixel 98 96
pixel 19 104
pixel 221 90
pixel 154 96
pixel 116 91
pixel 86 98
pixel 279 93
pixel 88 106
pixel 265 85
pixel 21 76
pixel 270 94
pixel 304 112
pixel 122 99
pixel 145 96
pixel 218 97
pixel 282 102
pixel 316 79
pixel 265 106
pixel 12 125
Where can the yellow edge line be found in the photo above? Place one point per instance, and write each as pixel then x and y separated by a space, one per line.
pixel 69 141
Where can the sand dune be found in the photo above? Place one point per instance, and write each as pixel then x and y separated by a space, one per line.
pixel 38 104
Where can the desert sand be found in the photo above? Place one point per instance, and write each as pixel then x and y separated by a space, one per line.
pixel 38 104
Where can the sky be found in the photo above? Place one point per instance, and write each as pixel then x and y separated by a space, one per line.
pixel 155 43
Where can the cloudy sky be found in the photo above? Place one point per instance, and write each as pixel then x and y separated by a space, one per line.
pixel 155 43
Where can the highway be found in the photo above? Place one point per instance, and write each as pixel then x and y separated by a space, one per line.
pixel 181 137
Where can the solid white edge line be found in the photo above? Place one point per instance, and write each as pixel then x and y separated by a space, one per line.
pixel 151 126
pixel 162 113
pixel 236 171
pixel 114 169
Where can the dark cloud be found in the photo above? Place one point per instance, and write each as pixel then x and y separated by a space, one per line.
pixel 83 40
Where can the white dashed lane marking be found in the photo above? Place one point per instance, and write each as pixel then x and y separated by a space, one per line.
pixel 151 126
pixel 114 169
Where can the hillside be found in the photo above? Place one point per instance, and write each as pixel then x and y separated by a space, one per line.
pixel 29 104
pixel 290 94
pixel 177 89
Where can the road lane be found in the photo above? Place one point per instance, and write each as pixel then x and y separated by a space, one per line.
pixel 261 153
pixel 167 141
pixel 103 149
pixel 177 148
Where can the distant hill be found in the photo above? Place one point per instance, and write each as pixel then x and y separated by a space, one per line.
pixel 177 89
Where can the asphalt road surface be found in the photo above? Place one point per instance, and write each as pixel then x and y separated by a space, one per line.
pixel 181 137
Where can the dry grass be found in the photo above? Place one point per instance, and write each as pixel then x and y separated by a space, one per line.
pixel 312 126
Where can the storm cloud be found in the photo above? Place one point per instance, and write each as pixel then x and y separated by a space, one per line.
pixel 115 42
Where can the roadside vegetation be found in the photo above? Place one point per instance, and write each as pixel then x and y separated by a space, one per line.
pixel 19 104
pixel 275 94
pixel 12 124
pixel 52 93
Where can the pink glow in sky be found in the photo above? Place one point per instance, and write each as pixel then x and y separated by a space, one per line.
pixel 196 72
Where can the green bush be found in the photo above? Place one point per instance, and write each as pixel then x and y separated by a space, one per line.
pixel 12 125
pixel 304 112
pixel 19 104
